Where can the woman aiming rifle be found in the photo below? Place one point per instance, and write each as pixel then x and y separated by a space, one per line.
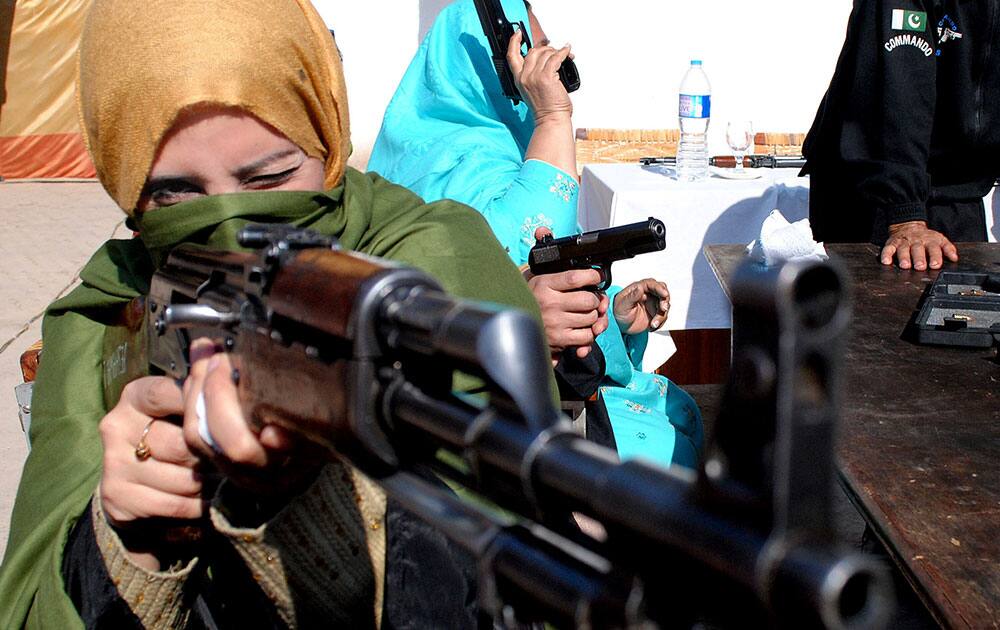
pixel 183 103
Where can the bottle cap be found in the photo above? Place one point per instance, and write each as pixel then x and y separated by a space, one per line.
pixel 696 62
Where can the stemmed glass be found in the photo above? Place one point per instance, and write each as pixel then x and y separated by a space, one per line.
pixel 739 135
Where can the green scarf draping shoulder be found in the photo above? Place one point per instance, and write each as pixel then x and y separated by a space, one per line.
pixel 450 241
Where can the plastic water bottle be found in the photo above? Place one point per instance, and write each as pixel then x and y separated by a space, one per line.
pixel 695 110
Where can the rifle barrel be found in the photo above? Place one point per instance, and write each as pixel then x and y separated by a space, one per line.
pixel 650 513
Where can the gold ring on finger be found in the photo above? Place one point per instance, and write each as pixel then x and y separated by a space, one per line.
pixel 142 451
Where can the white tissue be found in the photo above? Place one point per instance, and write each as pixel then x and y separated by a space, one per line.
pixel 780 240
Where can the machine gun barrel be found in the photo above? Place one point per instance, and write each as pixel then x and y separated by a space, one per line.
pixel 358 355
pixel 528 570
pixel 758 513
pixel 653 516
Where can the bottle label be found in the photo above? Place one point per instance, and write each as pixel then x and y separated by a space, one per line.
pixel 695 106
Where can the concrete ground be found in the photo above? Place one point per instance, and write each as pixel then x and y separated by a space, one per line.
pixel 50 231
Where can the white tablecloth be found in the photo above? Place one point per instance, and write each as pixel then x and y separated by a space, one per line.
pixel 696 214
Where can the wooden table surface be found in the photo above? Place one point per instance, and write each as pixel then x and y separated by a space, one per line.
pixel 919 439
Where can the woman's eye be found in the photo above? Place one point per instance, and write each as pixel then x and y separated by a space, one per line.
pixel 271 179
pixel 173 193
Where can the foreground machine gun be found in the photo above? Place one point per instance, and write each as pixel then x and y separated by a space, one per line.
pixel 358 355
pixel 499 30
pixel 597 249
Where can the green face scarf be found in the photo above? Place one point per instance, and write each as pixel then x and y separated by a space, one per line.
pixel 447 240
pixel 123 268
pixel 216 221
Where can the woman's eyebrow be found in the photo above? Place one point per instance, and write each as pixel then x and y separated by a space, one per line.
pixel 165 181
pixel 254 167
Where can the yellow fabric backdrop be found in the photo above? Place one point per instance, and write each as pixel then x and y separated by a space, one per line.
pixel 39 129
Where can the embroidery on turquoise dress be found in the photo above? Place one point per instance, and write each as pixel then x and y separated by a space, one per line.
pixel 636 407
pixel 649 418
pixel 663 385
pixel 564 187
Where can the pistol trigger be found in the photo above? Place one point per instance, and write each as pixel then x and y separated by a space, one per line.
pixel 525 39
pixel 605 278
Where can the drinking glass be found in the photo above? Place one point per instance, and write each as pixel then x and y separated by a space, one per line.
pixel 739 135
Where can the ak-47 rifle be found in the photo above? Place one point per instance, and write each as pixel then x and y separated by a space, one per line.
pixel 358 355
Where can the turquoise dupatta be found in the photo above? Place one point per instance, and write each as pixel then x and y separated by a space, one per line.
pixel 450 133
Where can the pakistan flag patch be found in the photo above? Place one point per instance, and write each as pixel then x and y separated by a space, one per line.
pixel 903 20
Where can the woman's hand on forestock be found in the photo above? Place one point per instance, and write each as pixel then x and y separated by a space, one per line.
pixel 537 78
pixel 148 471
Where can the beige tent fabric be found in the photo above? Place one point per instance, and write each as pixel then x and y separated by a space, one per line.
pixel 39 133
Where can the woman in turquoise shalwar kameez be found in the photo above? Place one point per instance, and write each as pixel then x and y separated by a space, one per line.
pixel 450 133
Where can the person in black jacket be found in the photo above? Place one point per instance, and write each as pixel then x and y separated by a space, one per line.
pixel 906 141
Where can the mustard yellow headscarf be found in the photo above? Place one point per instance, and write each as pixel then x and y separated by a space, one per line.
pixel 142 62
